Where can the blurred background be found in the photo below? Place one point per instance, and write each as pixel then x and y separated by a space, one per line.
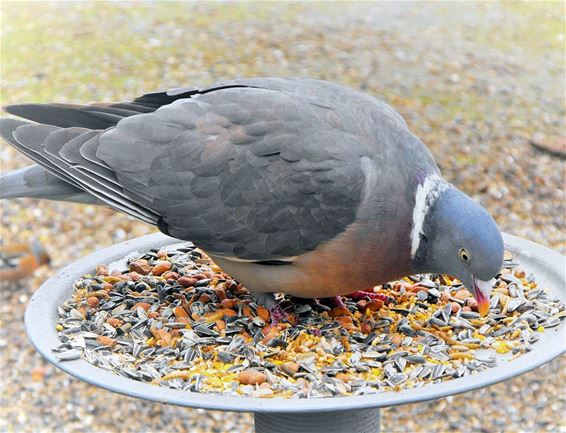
pixel 480 83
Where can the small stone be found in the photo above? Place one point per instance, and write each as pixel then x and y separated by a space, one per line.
pixel 38 373
pixel 251 377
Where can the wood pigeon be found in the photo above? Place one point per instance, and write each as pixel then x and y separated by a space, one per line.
pixel 290 184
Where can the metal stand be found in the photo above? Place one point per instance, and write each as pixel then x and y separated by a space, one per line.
pixel 349 421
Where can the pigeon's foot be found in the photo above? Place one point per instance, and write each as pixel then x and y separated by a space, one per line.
pixel 361 294
pixel 278 315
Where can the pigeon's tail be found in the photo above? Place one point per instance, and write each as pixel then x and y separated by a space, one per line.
pixel 68 167
pixel 36 182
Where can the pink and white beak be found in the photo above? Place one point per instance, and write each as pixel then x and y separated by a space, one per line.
pixel 482 292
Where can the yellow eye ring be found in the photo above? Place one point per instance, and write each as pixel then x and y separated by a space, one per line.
pixel 464 255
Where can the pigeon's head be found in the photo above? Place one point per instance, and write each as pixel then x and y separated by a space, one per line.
pixel 456 236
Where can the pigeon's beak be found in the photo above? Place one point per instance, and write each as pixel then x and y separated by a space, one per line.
pixel 482 291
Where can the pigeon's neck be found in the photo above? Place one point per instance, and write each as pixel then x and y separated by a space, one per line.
pixel 427 193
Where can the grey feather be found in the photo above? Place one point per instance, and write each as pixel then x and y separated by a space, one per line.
pixel 36 182
pixel 43 144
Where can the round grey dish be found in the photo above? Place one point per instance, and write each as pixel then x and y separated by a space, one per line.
pixel 336 414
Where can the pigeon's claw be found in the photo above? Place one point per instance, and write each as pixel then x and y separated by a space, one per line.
pixel 278 315
pixel 339 302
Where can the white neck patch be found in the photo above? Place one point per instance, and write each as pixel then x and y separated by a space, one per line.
pixel 426 195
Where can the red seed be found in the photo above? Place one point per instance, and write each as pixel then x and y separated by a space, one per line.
pixel 229 303
pixel 180 312
pixel 93 302
pixel 114 322
pixel 143 305
pixel 187 281
pixel 140 266
pixel 102 270
pixel 263 313
pixel 339 311
pixel 462 294
pixel 106 341
pixel 161 267
pixel 251 377
pixel 374 305
pixel 170 275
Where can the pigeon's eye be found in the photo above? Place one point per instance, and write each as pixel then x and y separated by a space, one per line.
pixel 464 255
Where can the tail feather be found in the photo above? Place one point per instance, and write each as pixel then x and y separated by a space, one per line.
pixel 36 182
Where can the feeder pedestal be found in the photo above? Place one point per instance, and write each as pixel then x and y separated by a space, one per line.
pixel 349 421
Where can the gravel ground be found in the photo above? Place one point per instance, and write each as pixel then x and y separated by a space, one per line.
pixel 476 81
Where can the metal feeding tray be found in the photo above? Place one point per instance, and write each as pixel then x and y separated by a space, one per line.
pixel 334 414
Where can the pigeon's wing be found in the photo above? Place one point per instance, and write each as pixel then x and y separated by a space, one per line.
pixel 245 173
pixel 106 115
